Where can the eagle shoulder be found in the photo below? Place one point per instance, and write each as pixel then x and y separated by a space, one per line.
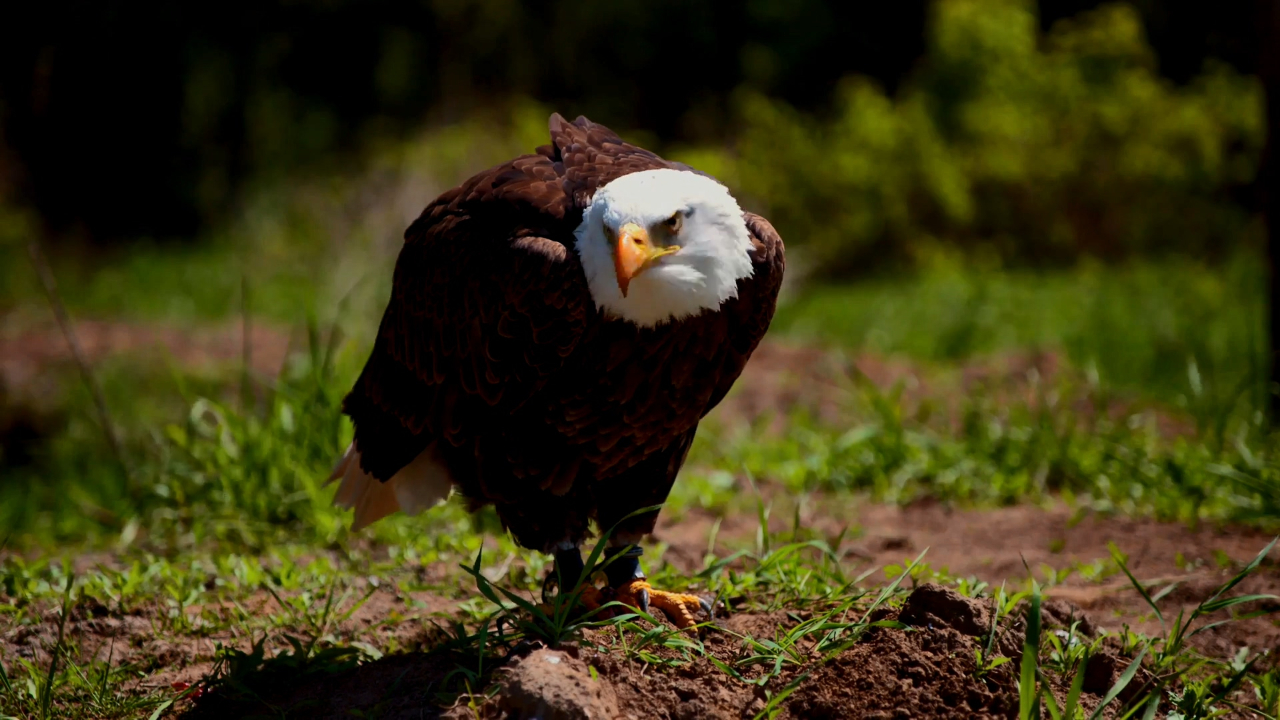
pixel 749 314
pixel 591 156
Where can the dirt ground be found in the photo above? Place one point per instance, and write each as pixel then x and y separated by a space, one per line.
pixel 924 671
pixel 32 350
pixel 999 545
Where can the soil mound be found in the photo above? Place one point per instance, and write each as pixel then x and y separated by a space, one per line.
pixel 918 673
pixel 925 670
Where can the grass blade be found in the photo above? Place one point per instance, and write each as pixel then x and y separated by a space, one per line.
pixel 1121 683
pixel 1215 605
pixel 1119 558
pixel 1028 698
pixel 1077 686
pixel 160 710
pixel 770 709
pixel 1244 572
pixel 46 693
pixel 1050 703
pixel 1153 704
pixel 892 587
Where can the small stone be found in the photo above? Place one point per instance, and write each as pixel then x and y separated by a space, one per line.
pixel 553 685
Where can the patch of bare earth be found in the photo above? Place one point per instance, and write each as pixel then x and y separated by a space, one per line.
pixel 925 671
pixel 168 651
pixel 29 352
pixel 998 545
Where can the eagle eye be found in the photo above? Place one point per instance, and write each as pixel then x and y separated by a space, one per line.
pixel 674 223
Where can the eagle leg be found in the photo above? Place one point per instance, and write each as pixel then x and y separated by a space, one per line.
pixel 564 577
pixel 626 584
pixel 629 586
pixel 565 573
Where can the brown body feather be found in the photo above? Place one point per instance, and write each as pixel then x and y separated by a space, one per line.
pixel 492 347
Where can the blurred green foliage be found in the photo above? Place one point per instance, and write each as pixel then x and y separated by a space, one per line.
pixel 1012 145
pixel 1188 333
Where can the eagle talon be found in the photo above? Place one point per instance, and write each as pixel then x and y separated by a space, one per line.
pixel 680 608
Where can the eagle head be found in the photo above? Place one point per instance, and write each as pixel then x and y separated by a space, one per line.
pixel 662 245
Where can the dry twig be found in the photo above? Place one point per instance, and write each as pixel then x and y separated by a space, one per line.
pixel 50 285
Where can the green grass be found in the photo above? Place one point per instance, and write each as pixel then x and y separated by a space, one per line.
pixel 306 635
pixel 1006 454
pixel 1190 334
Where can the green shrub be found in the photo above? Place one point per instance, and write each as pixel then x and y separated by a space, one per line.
pixel 1010 144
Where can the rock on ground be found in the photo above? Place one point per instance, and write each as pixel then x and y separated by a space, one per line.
pixel 554 685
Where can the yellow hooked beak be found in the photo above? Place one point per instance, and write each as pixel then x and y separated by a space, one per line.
pixel 634 252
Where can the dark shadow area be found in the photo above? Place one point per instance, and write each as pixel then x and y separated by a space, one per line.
pixel 329 684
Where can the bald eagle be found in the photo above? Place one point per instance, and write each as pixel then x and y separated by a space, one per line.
pixel 558 326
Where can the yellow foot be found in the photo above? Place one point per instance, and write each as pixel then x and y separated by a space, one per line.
pixel 680 608
pixel 591 598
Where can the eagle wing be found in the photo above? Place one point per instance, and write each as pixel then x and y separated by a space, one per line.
pixel 487 303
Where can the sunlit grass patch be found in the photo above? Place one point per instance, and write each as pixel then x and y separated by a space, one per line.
pixel 1188 333
pixel 287 616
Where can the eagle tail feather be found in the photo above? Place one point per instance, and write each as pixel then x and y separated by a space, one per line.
pixel 415 487
pixel 343 462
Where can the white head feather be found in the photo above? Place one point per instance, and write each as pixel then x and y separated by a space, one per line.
pixel 715 247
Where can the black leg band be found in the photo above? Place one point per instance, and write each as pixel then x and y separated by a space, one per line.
pixel 623 565
pixel 568 567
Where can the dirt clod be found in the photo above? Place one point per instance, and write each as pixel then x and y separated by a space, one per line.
pixel 896 674
pixel 939 607
pixel 1101 673
pixel 553 685
pixel 1066 614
